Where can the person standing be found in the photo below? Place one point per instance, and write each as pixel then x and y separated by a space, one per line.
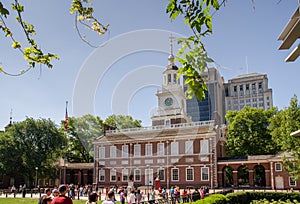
pixel 93 198
pixel 62 198
pixel 24 190
pixel 131 198
pixel 47 194
pixel 110 198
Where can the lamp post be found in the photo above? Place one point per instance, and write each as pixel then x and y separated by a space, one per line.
pixel 36 178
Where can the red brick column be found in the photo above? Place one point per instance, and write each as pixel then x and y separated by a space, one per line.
pixel 235 178
pixel 251 177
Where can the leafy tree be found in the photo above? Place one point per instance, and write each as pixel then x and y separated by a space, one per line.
pixel 122 121
pixel 282 125
pixel 29 144
pixel 81 134
pixel 248 132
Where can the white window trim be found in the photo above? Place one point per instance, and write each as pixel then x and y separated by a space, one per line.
pixel 280 166
pixel 202 142
pixel 113 151
pixel 174 151
pixel 125 172
pixel 290 178
pixel 135 152
pixel 136 174
pixel 172 174
pixel 164 173
pixel 123 152
pixel 101 173
pixel 202 173
pixel 160 153
pixel 113 172
pixel 148 147
pixel 186 174
pixel 189 147
pixel 101 153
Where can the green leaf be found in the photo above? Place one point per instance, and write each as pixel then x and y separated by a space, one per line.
pixel 3 11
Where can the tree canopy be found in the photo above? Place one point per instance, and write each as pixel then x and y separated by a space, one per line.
pixel 81 134
pixel 30 144
pixel 122 121
pixel 248 132
pixel 282 125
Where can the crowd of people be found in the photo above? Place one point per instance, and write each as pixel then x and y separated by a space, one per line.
pixel 63 195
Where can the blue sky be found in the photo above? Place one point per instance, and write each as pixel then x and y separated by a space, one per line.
pixel 125 72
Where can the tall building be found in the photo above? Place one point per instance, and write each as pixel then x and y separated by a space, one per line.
pixel 248 90
pixel 213 104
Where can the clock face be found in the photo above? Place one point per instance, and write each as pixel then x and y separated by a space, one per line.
pixel 169 101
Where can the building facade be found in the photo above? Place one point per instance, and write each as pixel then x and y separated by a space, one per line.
pixel 248 90
pixel 174 150
pixel 213 103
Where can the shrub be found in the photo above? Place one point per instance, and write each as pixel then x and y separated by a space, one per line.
pixel 214 199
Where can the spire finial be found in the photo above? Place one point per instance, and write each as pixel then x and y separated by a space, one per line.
pixel 10 117
pixel 171 43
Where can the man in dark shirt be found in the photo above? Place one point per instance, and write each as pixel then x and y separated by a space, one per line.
pixel 62 198
pixel 195 195
pixel 47 193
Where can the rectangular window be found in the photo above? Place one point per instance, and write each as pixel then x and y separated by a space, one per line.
pixel 204 147
pixel 235 89
pixel 292 182
pixel 160 149
pixel 113 175
pixel 101 175
pixel 247 87
pixel 113 151
pixel 124 174
pixel 137 150
pixel 101 152
pixel 253 86
pixel 278 167
pixel 260 85
pixel 175 174
pixel 148 151
pixel 189 174
pixel 174 78
pixel 189 147
pixel 204 173
pixel 124 150
pixel 161 174
pixel 174 148
pixel 169 78
pixel 137 175
pixel 167 122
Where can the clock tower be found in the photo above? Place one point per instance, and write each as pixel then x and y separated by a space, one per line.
pixel 171 98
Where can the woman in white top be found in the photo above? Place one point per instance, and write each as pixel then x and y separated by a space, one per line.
pixel 131 198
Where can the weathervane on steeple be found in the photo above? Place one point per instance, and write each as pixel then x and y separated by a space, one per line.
pixel 171 43
pixel 171 56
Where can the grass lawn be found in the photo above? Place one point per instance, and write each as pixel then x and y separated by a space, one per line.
pixel 30 201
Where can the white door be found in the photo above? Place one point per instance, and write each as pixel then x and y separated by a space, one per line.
pixel 279 182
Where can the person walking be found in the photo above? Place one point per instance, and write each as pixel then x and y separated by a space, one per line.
pixel 62 198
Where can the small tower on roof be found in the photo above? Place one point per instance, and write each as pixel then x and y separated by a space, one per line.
pixel 10 121
pixel 171 98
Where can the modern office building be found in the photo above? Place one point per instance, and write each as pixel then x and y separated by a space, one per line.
pixel 213 104
pixel 248 90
